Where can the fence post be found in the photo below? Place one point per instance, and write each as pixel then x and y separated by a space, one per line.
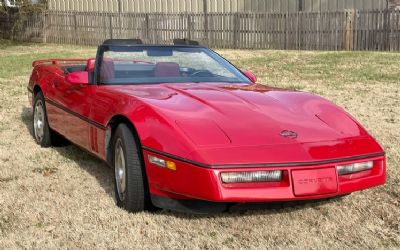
pixel 189 26
pixel 386 32
pixel 75 29
pixel 349 30
pixel 146 27
pixel 236 23
pixel 44 28
pixel 110 23
pixel 205 8
pixel 286 15
pixel 119 17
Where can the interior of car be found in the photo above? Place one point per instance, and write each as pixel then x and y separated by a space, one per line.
pixel 111 69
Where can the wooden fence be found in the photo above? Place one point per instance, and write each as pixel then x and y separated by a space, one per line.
pixel 339 30
pixel 223 6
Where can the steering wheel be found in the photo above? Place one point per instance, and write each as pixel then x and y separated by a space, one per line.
pixel 201 73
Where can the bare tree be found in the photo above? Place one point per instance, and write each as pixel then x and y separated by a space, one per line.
pixel 3 6
pixel 14 17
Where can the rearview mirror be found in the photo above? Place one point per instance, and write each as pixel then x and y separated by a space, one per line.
pixel 252 77
pixel 159 52
pixel 81 77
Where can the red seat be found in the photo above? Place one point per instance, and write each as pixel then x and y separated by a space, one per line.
pixel 167 69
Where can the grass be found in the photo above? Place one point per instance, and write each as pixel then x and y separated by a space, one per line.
pixel 63 197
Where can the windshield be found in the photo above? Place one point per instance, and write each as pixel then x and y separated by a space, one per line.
pixel 166 64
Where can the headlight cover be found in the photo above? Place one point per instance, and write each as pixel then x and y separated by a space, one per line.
pixel 354 168
pixel 251 176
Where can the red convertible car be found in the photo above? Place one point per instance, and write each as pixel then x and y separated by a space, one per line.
pixel 186 130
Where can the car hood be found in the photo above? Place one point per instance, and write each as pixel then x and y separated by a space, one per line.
pixel 245 119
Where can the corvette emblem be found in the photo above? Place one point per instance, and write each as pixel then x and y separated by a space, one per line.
pixel 288 134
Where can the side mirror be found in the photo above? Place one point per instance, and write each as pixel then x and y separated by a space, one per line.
pixel 80 77
pixel 252 77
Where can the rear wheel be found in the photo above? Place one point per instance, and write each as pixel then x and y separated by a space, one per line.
pixel 131 190
pixel 41 130
pixel 42 133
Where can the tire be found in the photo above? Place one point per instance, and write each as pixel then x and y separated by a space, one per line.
pixel 41 129
pixel 48 137
pixel 131 188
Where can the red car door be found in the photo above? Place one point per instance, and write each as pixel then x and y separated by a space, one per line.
pixel 70 117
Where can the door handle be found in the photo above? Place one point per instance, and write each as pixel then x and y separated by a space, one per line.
pixel 56 84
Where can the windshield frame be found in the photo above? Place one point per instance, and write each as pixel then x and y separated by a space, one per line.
pixel 212 54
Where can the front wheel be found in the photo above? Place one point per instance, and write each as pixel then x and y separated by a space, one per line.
pixel 131 189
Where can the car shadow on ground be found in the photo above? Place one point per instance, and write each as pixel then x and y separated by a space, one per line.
pixel 104 176
pixel 262 209
pixel 87 162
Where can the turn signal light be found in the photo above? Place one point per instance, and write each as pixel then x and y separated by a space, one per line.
pixel 251 176
pixel 354 168
pixel 162 163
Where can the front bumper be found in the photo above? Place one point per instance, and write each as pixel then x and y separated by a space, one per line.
pixel 201 183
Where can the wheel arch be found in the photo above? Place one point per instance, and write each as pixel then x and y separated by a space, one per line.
pixel 111 127
pixel 114 122
pixel 37 89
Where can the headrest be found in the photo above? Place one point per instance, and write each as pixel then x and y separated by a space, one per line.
pixel 167 69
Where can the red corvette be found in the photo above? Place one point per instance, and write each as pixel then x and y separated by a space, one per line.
pixel 186 130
